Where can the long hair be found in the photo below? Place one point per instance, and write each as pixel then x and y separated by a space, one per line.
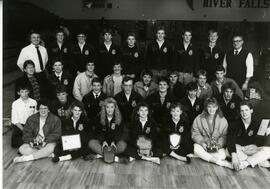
pixel 117 114
pixel 135 116
pixel 79 105
pixel 214 102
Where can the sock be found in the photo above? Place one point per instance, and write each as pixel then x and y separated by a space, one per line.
pixel 131 159
pixel 23 158
pixel 99 156
pixel 116 159
pixel 64 158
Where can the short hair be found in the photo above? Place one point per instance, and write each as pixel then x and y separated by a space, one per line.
pixel 126 79
pixel 77 103
pixel 117 62
pixel 173 73
pixel 163 79
pixel 228 85
pixel 59 30
pixel 238 35
pixel 23 87
pixel 201 72
pixel 57 60
pixel 96 80
pixel 192 86
pixel 160 28
pixel 81 32
pixel 220 68
pixel 186 30
pixel 89 60
pixel 146 72
pixel 44 102
pixel 131 34
pixel 246 103
pixel 28 62
pixel 212 31
pixel 107 30
pixel 60 88
pixel 175 105
pixel 34 31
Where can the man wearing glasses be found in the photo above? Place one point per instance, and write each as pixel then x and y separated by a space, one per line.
pixel 239 63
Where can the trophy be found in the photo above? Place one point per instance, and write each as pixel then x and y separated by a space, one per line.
pixel 109 154
pixel 37 141
pixel 212 145
pixel 174 141
pixel 144 147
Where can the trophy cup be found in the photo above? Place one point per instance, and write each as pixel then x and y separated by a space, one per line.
pixel 174 141
pixel 212 145
pixel 144 147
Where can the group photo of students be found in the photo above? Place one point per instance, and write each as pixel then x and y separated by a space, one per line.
pixel 121 102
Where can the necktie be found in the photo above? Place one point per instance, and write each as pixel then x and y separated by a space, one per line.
pixel 39 58
pixel 236 52
pixel 96 96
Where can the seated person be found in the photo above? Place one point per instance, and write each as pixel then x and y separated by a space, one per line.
pixel 61 105
pixel 76 124
pixel 161 100
pixel 59 76
pixel 40 134
pixel 94 99
pixel 221 80
pixel 229 102
pixel 127 99
pixel 204 89
pixel 37 83
pixel 209 132
pixel 146 86
pixel 241 142
pixel 83 81
pixel 21 109
pixel 112 83
pixel 176 134
pixel 144 140
pixel 192 105
pixel 176 88
pixel 109 131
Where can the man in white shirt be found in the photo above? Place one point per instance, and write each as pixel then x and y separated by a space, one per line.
pixel 238 63
pixel 22 108
pixel 35 52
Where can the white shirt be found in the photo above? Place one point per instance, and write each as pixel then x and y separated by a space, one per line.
pixel 192 101
pixel 41 125
pixel 108 46
pixel 74 122
pixel 160 43
pixel 81 46
pixel 21 110
pixel 60 45
pixel 117 84
pixel 30 53
pixel 127 96
pixel 59 75
pixel 186 45
pixel 249 64
pixel 96 95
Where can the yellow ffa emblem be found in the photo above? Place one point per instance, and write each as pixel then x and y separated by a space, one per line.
pixel 190 52
pixel 80 128
pixel 165 50
pixel 133 104
pixel 216 56
pixel 250 133
pixel 232 106
pixel 136 55
pixel 147 130
pixel 181 129
pixel 65 82
pixel 197 107
pixel 113 52
pixel 86 52
pixel 168 104
pixel 113 126
pixel 65 50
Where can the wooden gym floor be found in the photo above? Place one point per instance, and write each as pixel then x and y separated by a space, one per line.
pixel 96 174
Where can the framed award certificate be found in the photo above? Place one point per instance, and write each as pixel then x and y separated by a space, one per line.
pixel 71 142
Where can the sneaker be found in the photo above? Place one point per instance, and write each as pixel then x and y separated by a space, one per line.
pixel 89 157
pixel 55 159
pixel 188 160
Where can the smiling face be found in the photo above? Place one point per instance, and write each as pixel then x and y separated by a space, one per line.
pixel 146 79
pixel 76 112
pixel 58 67
pixel 43 111
pixel 187 37
pixel 35 39
pixel 245 112
pixel 97 87
pixel 24 94
pixel 29 69
pixel 117 69
pixel 213 36
pixel 202 80
pixel 176 113
pixel 143 112
pixel 238 42
pixel 60 37
pixel 90 67
pixel 81 38
pixel 163 86
pixel 160 35
pixel 192 93
pixel 110 107
pixel 211 109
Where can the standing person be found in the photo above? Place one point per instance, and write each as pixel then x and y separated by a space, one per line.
pixel 80 52
pixel 94 99
pixel 146 86
pixel 242 142
pixel 144 138
pixel 211 55
pixel 209 132
pixel 161 100
pixel 238 63
pixel 108 52
pixel 132 57
pixel 21 109
pixel 204 89
pixel 176 88
pixel 83 82
pixel 36 83
pixel 59 50
pixel 127 99
pixel 158 55
pixel 34 52
pixel 221 80
pixel 109 130
pixel 176 134
pixel 40 134
pixel 113 83
pixel 76 124
pixel 186 58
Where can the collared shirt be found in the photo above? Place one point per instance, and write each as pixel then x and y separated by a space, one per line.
pixel 81 46
pixel 108 46
pixel 249 63
pixel 74 122
pixel 60 45
pixel 30 53
pixel 41 125
pixel 192 101
pixel 96 95
pixel 160 43
pixel 59 76
pixel 21 110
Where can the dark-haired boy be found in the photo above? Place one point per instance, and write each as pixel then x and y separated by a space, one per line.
pixel 21 109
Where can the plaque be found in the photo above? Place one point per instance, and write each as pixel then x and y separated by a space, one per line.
pixel 212 146
pixel 144 146
pixel 71 142
pixel 175 140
